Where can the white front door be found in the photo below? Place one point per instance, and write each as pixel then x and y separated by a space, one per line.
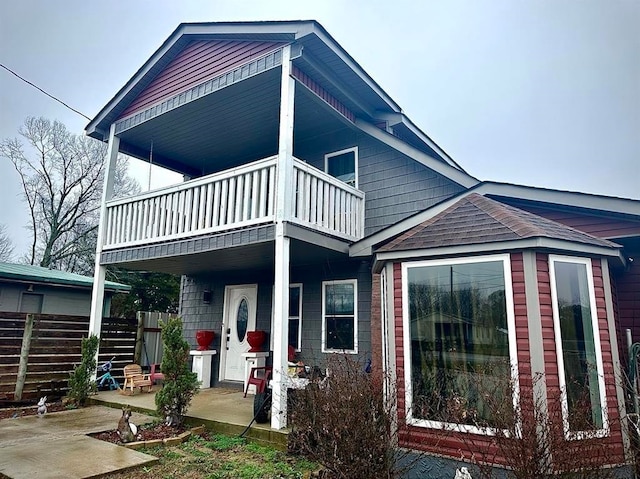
pixel 240 304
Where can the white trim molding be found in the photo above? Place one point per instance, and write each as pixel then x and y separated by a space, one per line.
pixel 586 262
pixel 333 154
pixel 511 327
pixel 324 348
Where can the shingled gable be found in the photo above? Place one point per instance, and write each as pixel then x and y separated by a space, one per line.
pixel 476 219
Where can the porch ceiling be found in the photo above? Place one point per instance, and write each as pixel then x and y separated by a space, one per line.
pixel 252 257
pixel 218 131
pixel 230 127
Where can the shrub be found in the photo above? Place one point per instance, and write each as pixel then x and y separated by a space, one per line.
pixel 80 380
pixel 530 439
pixel 346 423
pixel 180 384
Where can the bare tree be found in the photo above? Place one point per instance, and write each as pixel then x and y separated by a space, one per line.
pixel 61 175
pixel 6 245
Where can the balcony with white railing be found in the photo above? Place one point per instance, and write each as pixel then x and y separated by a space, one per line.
pixel 237 198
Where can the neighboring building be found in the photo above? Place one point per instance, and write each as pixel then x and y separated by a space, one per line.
pixel 317 211
pixel 33 289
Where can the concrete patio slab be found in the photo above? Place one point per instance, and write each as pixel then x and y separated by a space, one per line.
pixel 57 445
pixel 222 410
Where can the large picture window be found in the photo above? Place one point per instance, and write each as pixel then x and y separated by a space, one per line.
pixel 578 345
pixel 459 338
pixel 339 316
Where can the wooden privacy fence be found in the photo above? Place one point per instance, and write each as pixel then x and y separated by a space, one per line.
pixel 55 349
pixel 150 349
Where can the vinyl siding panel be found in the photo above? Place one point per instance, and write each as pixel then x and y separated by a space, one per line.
pixel 627 300
pixel 395 185
pixel 600 226
pixel 248 236
pixel 197 315
pixel 58 300
pixel 455 444
pixel 198 62
pixel 614 440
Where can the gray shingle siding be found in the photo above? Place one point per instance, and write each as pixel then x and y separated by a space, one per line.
pixel 189 246
pixel 395 185
pixel 197 315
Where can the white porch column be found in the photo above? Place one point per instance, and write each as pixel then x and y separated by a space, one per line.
pixel 284 195
pixel 97 295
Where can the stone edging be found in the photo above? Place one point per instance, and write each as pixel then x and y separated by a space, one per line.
pixel 167 441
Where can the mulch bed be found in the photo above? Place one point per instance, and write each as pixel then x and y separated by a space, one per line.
pixel 145 433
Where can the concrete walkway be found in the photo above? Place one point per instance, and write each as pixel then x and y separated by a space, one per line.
pixel 221 410
pixel 56 445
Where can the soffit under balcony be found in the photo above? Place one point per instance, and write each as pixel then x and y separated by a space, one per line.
pixel 258 255
pixel 227 128
pixel 215 132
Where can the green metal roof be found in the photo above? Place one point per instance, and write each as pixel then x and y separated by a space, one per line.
pixel 38 274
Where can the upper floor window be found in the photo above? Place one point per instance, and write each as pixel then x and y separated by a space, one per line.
pixel 577 336
pixel 340 316
pixel 343 165
pixel 459 343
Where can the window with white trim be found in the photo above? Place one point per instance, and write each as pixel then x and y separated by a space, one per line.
pixel 459 343
pixel 577 338
pixel 343 165
pixel 340 316
pixel 295 316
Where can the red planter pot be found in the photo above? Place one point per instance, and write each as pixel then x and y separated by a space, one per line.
pixel 256 339
pixel 204 338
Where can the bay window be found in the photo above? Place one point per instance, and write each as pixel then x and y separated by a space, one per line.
pixel 578 345
pixel 459 342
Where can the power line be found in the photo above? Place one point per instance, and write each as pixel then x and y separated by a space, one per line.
pixel 48 94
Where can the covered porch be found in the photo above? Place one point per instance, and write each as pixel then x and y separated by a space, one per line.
pixel 250 211
pixel 219 271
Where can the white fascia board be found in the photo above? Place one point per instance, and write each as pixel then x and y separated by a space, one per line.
pixel 569 247
pixel 446 170
pixel 396 118
pixel 148 65
pixel 542 195
pixel 564 198
pixel 296 28
pixel 299 29
pixel 323 35
pixel 364 247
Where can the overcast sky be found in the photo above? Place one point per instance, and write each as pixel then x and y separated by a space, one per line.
pixel 534 92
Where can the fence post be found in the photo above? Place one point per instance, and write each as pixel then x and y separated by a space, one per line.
pixel 137 355
pixel 24 357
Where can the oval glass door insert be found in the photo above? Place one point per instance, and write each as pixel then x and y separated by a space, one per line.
pixel 242 319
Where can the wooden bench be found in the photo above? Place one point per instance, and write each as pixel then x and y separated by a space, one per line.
pixel 133 378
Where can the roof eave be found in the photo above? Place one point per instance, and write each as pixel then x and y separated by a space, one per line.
pixel 286 30
pixel 589 201
pixel 538 243
pixel 115 288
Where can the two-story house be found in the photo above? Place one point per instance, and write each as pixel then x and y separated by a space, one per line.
pixel 314 209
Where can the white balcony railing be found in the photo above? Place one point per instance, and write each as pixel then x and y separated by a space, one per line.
pixel 325 203
pixel 232 199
